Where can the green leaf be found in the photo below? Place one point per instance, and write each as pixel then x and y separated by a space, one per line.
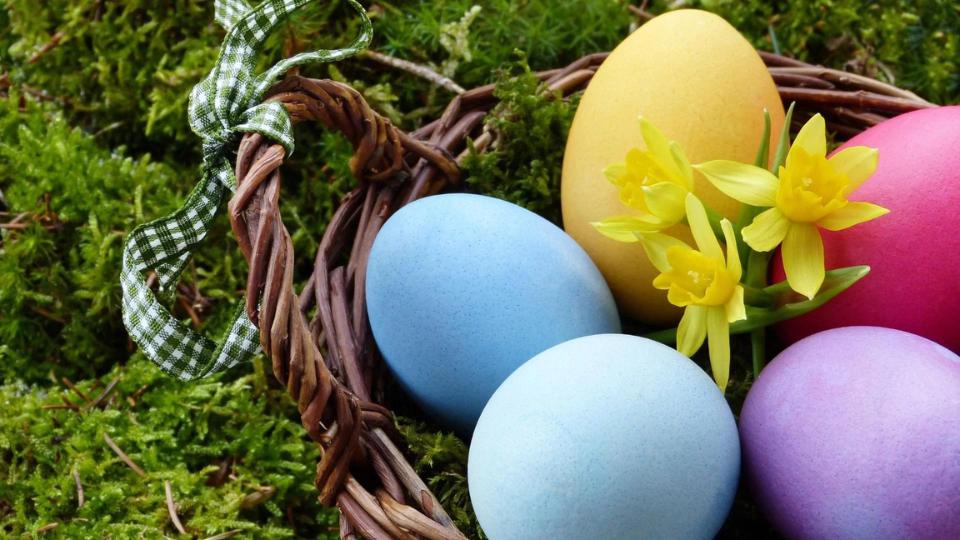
pixel 763 153
pixel 783 146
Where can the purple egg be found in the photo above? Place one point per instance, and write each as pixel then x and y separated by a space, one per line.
pixel 855 433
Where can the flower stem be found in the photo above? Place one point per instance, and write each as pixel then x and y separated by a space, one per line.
pixel 753 296
pixel 758 348
pixel 757 264
pixel 666 336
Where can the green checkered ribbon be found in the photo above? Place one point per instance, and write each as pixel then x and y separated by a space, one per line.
pixel 227 102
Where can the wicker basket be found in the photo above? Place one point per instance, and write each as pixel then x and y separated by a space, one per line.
pixel 330 364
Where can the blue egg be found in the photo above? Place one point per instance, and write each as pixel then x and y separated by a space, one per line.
pixel 462 289
pixel 608 436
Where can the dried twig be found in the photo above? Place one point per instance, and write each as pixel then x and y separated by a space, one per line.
pixel 48 527
pixel 258 497
pixel 219 477
pixel 38 93
pixel 192 302
pixel 185 304
pixel 132 398
pixel 76 479
pixel 70 406
pixel 172 508
pixel 123 456
pixel 416 69
pixel 23 225
pixel 224 536
pixel 641 11
pixel 47 47
pixel 69 384
pixel 103 395
pixel 48 219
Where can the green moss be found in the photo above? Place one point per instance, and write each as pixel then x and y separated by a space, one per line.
pixel 441 459
pixel 231 454
pixel 551 33
pixel 126 69
pixel 110 147
pixel 532 125
pixel 59 295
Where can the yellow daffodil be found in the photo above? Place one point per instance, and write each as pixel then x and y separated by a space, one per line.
pixel 654 181
pixel 811 192
pixel 702 281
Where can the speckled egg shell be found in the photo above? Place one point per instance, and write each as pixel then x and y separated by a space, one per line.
pixel 703 85
pixel 461 289
pixel 914 251
pixel 607 436
pixel 855 433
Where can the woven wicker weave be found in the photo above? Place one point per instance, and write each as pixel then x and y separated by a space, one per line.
pixel 330 364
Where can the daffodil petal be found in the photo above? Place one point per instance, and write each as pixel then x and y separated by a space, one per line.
pixel 700 227
pixel 735 308
pixel 656 245
pixel 812 138
pixel 615 173
pixel 857 162
pixel 666 201
pixel 852 214
pixel 803 258
pixel 683 164
pixel 692 330
pixel 733 256
pixel 718 339
pixel 766 231
pixel 626 228
pixel 658 147
pixel 657 143
pixel 748 184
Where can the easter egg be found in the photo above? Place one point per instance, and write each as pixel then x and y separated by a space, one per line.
pixel 606 436
pixel 696 79
pixel 912 251
pixel 855 433
pixel 461 289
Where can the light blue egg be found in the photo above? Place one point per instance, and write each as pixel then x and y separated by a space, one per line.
pixel 607 436
pixel 462 289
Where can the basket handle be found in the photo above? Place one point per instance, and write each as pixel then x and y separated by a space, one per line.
pixel 334 397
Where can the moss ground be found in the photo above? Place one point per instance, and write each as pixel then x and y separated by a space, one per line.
pixel 93 139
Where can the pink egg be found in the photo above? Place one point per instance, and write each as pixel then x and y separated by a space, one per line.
pixel 914 251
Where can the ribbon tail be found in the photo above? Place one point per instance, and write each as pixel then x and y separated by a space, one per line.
pixel 228 12
pixel 165 245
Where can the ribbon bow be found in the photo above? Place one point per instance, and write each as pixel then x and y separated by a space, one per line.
pixel 225 103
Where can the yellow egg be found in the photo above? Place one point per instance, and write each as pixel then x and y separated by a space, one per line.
pixel 703 85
